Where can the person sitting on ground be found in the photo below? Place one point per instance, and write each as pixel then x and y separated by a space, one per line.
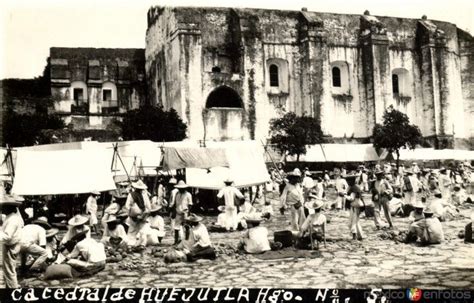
pixel 417 213
pixel 250 212
pixel 157 225
pixel 429 230
pixel 459 196
pixel 118 201
pixel 196 243
pixel 76 225
pixel 88 256
pixel 33 243
pixel 255 240
pixel 52 243
pixel 396 205
pixel 442 209
pixel 314 227
pixel 114 233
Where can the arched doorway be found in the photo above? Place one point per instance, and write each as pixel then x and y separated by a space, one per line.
pixel 224 96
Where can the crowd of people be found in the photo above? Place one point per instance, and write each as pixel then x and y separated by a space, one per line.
pixel 135 219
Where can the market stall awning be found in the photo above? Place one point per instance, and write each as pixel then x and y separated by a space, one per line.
pixel 426 154
pixel 62 172
pixel 246 167
pixel 193 157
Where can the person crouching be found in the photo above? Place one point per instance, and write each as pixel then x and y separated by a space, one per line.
pixel 88 256
pixel 255 240
pixel 313 228
pixel 196 243
pixel 114 233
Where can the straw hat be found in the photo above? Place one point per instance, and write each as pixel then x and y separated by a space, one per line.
pixel 139 185
pixel 117 195
pixel 194 218
pixel 181 184
pixel 95 193
pixel 78 220
pixel 42 221
pixel 112 219
pixel 315 205
pixel 173 181
pixel 18 198
pixel 307 173
pixel 418 204
pixel 428 211
pixel 228 181
pixel 51 232
pixel 295 173
pixel 436 192
pixel 156 208
pixel 8 200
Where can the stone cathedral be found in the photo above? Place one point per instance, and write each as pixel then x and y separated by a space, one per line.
pixel 228 71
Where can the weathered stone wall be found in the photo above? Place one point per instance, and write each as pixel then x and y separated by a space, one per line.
pixel 120 70
pixel 196 50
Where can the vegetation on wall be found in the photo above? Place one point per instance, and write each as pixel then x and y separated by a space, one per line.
pixel 153 123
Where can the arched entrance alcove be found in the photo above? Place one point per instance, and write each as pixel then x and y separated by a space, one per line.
pixel 224 96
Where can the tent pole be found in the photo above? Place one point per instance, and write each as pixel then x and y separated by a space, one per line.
pixel 9 156
pixel 271 158
pixel 123 165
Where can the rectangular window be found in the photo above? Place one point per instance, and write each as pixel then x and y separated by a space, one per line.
pixel 274 77
pixel 106 95
pixel 395 86
pixel 78 94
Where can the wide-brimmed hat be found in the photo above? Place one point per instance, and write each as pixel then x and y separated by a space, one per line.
pixel 409 171
pixel 181 184
pixel 77 220
pixel 456 186
pixel 139 185
pixel 442 169
pixel 315 205
pixel 121 215
pixel 42 221
pixel 8 200
pixel 173 181
pixel 95 193
pixel 194 218
pixel 253 221
pixel 307 173
pixel 295 173
pixel 18 198
pixel 52 232
pixel 379 172
pixel 228 181
pixel 118 195
pixel 112 219
pixel 156 208
pixel 221 208
pixel 436 192
pixel 428 211
pixel 418 204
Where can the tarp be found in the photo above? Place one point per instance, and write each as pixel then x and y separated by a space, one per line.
pixel 193 157
pixel 5 169
pixel 338 153
pixel 62 146
pixel 62 172
pixel 425 154
pixel 246 167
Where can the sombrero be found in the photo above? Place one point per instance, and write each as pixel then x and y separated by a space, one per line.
pixel 112 219
pixel 139 185
pixel 436 192
pixel 77 220
pixel 173 181
pixel 18 198
pixel 42 221
pixel 95 193
pixel 418 204
pixel 156 208
pixel 117 195
pixel 228 181
pixel 8 200
pixel 315 205
pixel 295 173
pixel 428 211
pixel 51 232
pixel 181 184
pixel 194 218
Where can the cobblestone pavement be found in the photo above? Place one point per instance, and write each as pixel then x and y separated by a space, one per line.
pixel 344 263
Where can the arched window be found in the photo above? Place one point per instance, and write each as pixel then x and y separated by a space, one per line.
pixel 274 77
pixel 224 96
pixel 395 85
pixel 336 76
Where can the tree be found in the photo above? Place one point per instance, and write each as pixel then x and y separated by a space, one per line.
pixel 396 132
pixel 153 123
pixel 290 133
pixel 25 129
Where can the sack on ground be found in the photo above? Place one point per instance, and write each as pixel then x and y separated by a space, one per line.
pixel 58 271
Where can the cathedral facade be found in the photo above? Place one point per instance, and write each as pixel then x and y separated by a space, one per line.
pixel 228 72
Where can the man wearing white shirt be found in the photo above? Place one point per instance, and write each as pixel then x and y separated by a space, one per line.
pixel 229 218
pixel 256 240
pixel 33 242
pixel 197 243
pixel 88 256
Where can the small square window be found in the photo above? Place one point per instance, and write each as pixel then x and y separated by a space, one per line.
pixel 106 95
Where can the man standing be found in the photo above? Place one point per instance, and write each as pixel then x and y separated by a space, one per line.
pixel 10 235
pixel 381 195
pixel 341 189
pixel 33 242
pixel 91 210
pixel 308 184
pixel 183 200
pixel 292 196
pixel 230 193
pixel 444 183
pixel 411 185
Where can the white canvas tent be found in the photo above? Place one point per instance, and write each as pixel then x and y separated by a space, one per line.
pixel 338 153
pixel 54 172
pixel 246 167
pixel 426 154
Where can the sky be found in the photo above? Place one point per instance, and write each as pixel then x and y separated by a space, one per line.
pixel 28 28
